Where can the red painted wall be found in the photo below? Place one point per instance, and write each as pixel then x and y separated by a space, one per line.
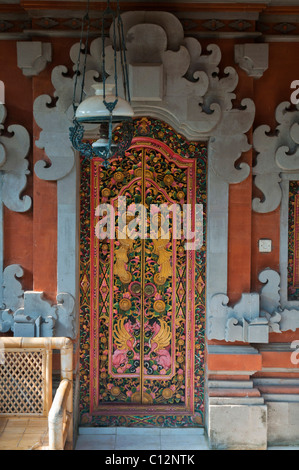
pixel 18 227
pixel 31 238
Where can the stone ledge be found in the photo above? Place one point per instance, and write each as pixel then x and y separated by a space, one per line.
pixel 233 392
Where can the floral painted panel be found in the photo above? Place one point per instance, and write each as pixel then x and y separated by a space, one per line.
pixel 142 299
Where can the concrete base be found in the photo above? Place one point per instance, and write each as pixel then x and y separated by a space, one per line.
pixel 238 427
pixel 283 423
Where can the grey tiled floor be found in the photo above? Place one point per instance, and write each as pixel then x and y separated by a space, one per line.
pixel 146 439
pixel 141 439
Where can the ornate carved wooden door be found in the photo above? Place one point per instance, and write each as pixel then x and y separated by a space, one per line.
pixel 142 297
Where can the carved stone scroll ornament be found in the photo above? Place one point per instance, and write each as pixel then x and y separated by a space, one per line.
pixel 241 322
pixel 14 148
pixel 12 296
pixel 288 318
pixel 24 313
pixel 277 152
pixel 255 316
pixel 38 317
pixel 29 314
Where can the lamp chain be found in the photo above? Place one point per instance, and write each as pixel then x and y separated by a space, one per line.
pixel 103 151
pixel 85 24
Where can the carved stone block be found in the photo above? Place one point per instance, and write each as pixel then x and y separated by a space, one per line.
pixel 253 58
pixel 46 316
pixel 146 82
pixel 33 56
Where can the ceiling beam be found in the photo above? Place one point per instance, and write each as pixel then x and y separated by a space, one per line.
pixel 29 5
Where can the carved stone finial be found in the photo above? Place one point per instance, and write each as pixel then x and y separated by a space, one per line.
pixel 33 56
pixel 253 58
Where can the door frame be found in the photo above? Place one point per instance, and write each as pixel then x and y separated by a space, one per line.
pixel 199 190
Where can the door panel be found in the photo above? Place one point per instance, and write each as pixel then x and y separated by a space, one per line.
pixel 142 340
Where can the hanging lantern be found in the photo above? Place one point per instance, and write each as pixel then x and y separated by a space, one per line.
pixel 105 108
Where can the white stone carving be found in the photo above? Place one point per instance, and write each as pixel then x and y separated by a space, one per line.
pixel 146 82
pixel 286 318
pixel 2 119
pixel 285 158
pixel 253 58
pixel 54 138
pixel 51 320
pixel 254 316
pixel 33 56
pixel 240 323
pixel 224 152
pixel 14 148
pixel 194 100
pixel 29 314
pixel 12 296
pixel 14 165
pixel 12 288
pixel 277 152
pixel 277 163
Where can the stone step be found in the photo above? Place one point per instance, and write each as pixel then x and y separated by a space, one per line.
pixel 236 401
pixel 279 389
pixel 230 384
pixel 275 381
pixel 234 392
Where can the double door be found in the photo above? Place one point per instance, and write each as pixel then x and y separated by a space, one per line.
pixel 143 284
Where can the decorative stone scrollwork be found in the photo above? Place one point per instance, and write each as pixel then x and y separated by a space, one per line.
pixel 255 316
pixel 38 317
pixel 25 313
pixel 239 323
pixel 14 149
pixel 277 153
pixel 288 318
pixel 12 296
pixel 194 99
pixel 29 314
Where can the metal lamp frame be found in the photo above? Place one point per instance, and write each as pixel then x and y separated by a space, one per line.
pixel 77 130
